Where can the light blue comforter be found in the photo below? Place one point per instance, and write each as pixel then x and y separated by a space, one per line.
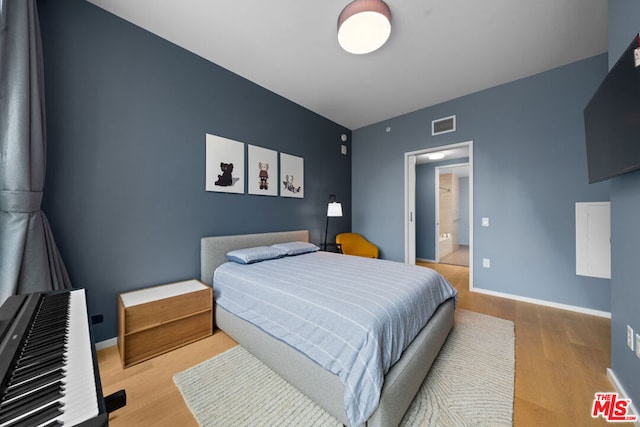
pixel 354 316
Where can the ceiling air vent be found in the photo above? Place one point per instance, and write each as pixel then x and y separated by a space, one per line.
pixel 444 125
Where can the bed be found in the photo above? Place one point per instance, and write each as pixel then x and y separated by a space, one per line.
pixel 402 379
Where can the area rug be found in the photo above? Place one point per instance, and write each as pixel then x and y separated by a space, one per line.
pixel 471 383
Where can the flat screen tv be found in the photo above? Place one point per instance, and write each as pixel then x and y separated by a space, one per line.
pixel 612 119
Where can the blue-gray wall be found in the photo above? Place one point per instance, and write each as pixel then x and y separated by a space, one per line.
pixel 529 170
pixel 127 114
pixel 426 207
pixel 624 24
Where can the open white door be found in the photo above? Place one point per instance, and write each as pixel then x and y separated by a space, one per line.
pixel 410 209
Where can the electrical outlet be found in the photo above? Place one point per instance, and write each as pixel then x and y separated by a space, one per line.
pixel 638 346
pixel 486 262
pixel 630 337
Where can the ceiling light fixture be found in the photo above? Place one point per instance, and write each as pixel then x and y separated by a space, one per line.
pixel 364 26
pixel 436 156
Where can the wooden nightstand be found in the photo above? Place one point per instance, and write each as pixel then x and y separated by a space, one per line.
pixel 159 319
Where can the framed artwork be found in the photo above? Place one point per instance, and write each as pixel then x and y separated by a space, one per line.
pixel 224 165
pixel 291 176
pixel 262 171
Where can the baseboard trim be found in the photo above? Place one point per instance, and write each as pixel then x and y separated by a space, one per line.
pixel 574 308
pixel 427 260
pixel 107 343
pixel 613 379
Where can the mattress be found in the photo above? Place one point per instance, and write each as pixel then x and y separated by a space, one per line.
pixel 353 316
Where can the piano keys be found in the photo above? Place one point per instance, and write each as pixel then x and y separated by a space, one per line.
pixel 48 369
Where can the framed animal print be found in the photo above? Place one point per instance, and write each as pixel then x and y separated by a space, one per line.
pixel 224 165
pixel 291 176
pixel 262 171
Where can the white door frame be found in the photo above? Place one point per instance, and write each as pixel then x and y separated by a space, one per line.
pixel 410 202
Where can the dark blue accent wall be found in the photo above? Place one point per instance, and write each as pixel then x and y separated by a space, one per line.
pixel 529 164
pixel 624 24
pixel 127 114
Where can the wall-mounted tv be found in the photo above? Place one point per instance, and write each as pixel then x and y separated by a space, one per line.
pixel 612 119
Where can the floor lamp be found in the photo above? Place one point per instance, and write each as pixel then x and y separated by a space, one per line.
pixel 334 209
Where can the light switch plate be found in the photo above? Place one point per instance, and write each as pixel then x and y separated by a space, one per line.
pixel 485 222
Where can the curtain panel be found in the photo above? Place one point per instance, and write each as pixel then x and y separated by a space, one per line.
pixel 29 259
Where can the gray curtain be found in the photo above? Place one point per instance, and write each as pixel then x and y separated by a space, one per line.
pixel 29 258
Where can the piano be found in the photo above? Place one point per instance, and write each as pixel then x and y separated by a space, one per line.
pixel 48 365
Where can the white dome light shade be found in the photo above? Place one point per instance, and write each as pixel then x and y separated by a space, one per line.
pixel 364 26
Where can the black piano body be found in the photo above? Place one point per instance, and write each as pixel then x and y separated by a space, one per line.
pixel 48 366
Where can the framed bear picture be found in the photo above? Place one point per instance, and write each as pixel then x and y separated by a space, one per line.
pixel 224 165
pixel 262 171
pixel 291 176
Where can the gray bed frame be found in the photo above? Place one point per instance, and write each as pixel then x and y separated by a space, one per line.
pixel 325 388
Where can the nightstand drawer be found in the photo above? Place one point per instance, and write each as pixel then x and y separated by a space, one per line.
pixel 166 337
pixel 155 313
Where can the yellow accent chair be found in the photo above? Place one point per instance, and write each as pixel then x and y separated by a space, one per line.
pixel 356 244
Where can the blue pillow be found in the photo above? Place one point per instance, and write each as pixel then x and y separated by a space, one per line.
pixel 296 248
pixel 256 254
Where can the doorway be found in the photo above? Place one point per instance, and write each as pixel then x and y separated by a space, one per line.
pixel 412 159
pixel 452 214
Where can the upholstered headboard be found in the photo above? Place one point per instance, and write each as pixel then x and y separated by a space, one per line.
pixel 213 250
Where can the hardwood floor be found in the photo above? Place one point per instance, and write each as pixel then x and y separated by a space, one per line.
pixel 561 362
pixel 153 400
pixel 561 356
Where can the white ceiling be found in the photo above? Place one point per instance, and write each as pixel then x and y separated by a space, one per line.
pixel 438 49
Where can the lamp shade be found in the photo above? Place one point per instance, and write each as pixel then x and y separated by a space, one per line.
pixel 364 26
pixel 334 209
